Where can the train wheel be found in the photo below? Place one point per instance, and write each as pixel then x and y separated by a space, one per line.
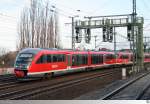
pixel 48 75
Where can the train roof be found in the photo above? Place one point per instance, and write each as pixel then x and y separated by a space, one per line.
pixel 43 50
pixel 30 50
pixel 34 50
pixel 102 52
pixel 53 50
pixel 124 52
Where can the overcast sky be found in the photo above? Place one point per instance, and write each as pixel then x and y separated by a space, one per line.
pixel 10 12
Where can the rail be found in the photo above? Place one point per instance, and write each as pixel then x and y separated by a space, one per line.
pixel 111 94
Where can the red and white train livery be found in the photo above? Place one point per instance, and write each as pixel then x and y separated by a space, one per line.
pixel 36 61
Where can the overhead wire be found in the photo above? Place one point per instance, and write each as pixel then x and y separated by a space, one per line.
pixel 61 12
pixel 64 14
pixel 72 9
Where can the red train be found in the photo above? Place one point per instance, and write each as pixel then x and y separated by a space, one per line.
pixel 32 62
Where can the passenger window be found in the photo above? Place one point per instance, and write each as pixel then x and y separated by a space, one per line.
pixel 58 58
pixel 84 59
pixel 73 60
pixel 124 57
pixel 49 58
pixel 110 56
pixel 101 58
pixel 41 60
pixel 61 58
pixel 78 60
pixel 54 58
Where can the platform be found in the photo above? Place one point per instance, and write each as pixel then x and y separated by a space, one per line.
pixel 98 94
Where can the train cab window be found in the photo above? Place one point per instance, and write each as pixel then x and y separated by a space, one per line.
pixel 41 60
pixel 25 59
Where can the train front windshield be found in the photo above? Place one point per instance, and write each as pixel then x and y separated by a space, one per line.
pixel 24 60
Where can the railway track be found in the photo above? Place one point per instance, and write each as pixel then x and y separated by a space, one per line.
pixel 26 93
pixel 121 93
pixel 7 85
pixel 145 95
pixel 7 81
pixel 7 77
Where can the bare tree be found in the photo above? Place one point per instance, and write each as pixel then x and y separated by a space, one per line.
pixel 38 27
pixel 3 51
pixel 32 20
pixel 7 58
pixel 57 40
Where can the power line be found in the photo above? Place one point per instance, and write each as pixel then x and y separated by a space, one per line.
pixel 61 12
pixel 70 8
pixel 12 17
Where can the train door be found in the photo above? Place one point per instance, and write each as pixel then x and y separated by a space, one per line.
pixel 69 61
pixel 104 59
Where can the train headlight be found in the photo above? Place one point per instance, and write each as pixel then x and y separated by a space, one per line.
pixel 28 66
